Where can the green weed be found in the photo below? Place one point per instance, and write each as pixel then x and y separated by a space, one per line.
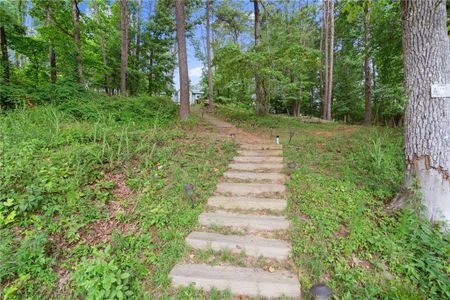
pixel 341 234
pixel 68 227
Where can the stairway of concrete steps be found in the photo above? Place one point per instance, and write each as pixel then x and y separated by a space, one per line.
pixel 250 199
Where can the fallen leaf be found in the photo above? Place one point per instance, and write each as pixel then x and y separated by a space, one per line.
pixel 271 269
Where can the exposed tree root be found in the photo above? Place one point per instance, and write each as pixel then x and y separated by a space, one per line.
pixel 405 197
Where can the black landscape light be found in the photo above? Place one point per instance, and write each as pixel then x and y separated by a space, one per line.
pixel 277 140
pixel 320 292
pixel 292 165
pixel 189 189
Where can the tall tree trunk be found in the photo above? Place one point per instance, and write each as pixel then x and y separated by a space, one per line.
pixel 51 52
pixel 326 46
pixel 427 120
pixel 102 47
pixel 138 35
pixel 321 70
pixel 208 55
pixel 182 60
pixel 5 59
pixel 262 107
pixel 375 98
pixel 77 39
pixel 124 46
pixel 367 72
pixel 331 58
pixel 52 57
pixel 150 75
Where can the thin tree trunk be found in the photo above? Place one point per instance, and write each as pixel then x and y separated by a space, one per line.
pixel 102 47
pixel 124 46
pixel 51 52
pixel 325 20
pixel 427 120
pixel 261 105
pixel 77 39
pixel 322 35
pixel 208 56
pixel 52 57
pixel 182 60
pixel 367 72
pixel 150 75
pixel 375 99
pixel 138 35
pixel 331 57
pixel 5 59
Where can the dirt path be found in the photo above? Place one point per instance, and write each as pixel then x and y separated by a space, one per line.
pixel 225 129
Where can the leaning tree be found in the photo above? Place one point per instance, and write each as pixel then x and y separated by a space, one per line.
pixel 427 119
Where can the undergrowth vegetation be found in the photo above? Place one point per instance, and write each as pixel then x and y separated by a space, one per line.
pixel 341 234
pixel 91 196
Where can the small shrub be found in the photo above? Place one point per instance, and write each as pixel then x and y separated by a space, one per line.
pixel 101 278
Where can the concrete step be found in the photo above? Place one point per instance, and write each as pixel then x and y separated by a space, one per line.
pixel 258 159
pixel 261 167
pixel 255 177
pixel 260 152
pixel 252 245
pixel 247 203
pixel 257 222
pixel 240 281
pixel 251 189
pixel 261 147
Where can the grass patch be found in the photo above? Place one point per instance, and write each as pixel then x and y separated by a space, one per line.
pixel 340 233
pixel 91 196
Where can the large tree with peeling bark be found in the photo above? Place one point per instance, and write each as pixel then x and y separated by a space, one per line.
pixel 427 119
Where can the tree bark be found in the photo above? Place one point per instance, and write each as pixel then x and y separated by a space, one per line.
pixel 51 52
pixel 427 120
pixel 375 98
pixel 321 70
pixel 138 35
pixel 326 46
pixel 367 72
pixel 331 58
pixel 52 57
pixel 102 47
pixel 208 56
pixel 5 59
pixel 124 46
pixel 182 60
pixel 262 107
pixel 150 75
pixel 77 39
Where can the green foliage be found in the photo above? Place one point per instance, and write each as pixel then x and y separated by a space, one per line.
pixel 341 234
pixel 289 59
pixel 58 199
pixel 151 56
pixel 100 278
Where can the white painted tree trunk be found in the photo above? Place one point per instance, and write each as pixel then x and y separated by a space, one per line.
pixel 427 120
